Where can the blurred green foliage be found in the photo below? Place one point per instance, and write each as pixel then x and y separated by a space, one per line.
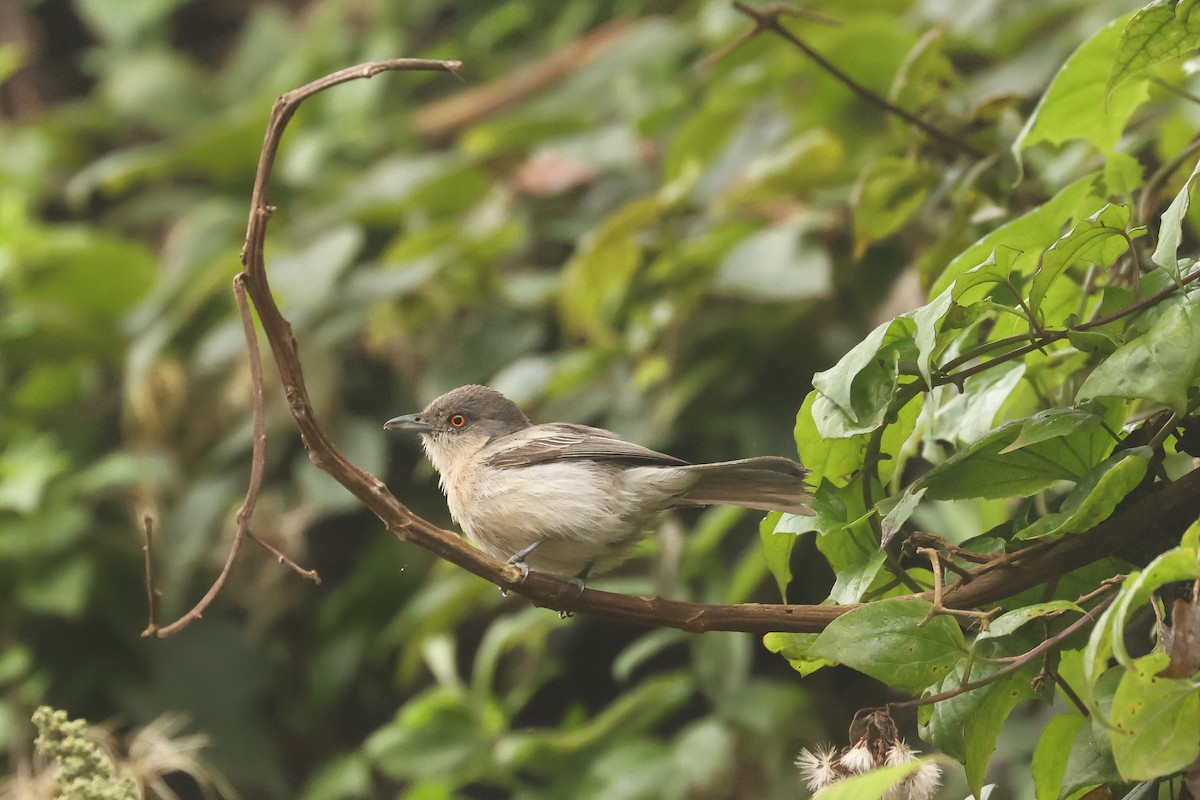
pixel 666 251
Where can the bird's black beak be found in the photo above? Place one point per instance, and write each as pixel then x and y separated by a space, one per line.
pixel 408 422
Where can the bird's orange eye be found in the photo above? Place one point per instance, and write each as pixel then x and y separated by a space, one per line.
pixel 458 420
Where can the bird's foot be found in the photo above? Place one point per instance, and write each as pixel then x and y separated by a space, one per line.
pixel 521 565
pixel 518 559
pixel 580 580
pixel 580 583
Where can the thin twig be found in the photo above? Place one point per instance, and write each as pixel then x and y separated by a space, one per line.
pixel 152 594
pixel 774 10
pixel 769 20
pixel 257 460
pixel 308 574
pixel 1075 699
pixel 936 607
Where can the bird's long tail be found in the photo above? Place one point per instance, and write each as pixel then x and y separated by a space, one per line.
pixel 766 483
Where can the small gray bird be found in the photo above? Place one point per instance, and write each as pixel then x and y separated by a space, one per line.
pixel 569 499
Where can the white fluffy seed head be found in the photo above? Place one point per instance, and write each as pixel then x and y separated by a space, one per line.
pixel 858 759
pixel 818 767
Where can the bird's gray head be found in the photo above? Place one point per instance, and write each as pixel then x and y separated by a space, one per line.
pixel 468 414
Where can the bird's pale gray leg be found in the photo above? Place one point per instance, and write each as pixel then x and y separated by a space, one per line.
pixel 518 558
pixel 580 580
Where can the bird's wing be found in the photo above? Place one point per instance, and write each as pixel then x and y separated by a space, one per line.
pixel 557 441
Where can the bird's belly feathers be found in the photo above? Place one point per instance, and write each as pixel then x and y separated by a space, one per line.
pixel 573 508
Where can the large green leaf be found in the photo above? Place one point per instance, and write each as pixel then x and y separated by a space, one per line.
pixel 595 281
pixel 1156 721
pixel 1170 231
pixel 1028 234
pixel 1093 499
pixel 1049 764
pixel 1010 621
pixel 984 724
pixel 887 641
pixel 1077 105
pixel 971 413
pixel 1099 239
pixel 966 725
pixel 870 785
pixel 777 551
pixel 928 319
pixel 1023 457
pixel 1163 30
pixel 1161 365
pixel 888 192
pixel 854 394
pixel 1108 635
pixel 826 459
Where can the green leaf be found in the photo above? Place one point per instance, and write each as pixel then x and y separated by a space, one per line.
pixel 965 726
pixel 597 278
pixel 1077 105
pixel 826 459
pixel 1161 365
pixel 871 785
pixel 777 551
pixel 778 264
pixel 971 413
pixel 27 466
pixel 1099 239
pixel 1026 235
pixel 1155 34
pixel 1155 721
pixel 928 319
pixel 795 648
pixel 887 193
pixel 984 724
pixel 432 735
pixel 342 778
pixel 1008 622
pixel 124 21
pixel 995 269
pixel 642 649
pixel 900 511
pixel 639 708
pixel 62 590
pixel 887 641
pixel 1179 564
pixel 1170 231
pixel 1123 174
pixel 1094 497
pixel 1023 457
pixel 855 392
pixel 1050 757
pixel 836 383
pixel 855 578
pixel 1108 635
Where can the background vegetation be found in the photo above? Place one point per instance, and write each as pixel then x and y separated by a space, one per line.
pixel 611 234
